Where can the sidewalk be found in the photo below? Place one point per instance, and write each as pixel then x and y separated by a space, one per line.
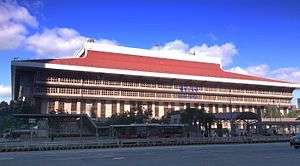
pixel 92 143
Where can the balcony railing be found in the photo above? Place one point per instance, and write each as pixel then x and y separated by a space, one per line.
pixel 162 87
pixel 104 93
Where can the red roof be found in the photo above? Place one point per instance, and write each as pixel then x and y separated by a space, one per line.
pixel 151 64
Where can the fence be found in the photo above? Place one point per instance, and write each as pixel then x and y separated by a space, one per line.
pixel 119 143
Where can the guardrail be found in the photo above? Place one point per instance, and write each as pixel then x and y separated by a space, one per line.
pixel 119 143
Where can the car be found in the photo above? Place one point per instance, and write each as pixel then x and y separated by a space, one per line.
pixel 295 141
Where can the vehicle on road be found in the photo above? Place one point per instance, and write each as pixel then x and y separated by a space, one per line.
pixel 295 141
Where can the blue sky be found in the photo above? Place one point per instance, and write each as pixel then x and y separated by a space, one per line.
pixel 260 38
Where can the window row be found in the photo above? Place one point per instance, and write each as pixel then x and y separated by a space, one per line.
pixel 181 88
pixel 99 92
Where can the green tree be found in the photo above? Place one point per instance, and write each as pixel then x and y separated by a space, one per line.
pixel 272 112
pixel 4 106
pixel 292 114
pixel 197 118
pixel 137 114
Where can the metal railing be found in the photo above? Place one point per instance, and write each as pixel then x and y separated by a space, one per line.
pixel 118 143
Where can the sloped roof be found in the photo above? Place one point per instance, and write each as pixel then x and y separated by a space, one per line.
pixel 121 61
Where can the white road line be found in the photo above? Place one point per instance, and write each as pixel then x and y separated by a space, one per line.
pixel 119 158
pixel 8 158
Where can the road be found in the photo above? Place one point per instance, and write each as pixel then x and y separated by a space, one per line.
pixel 272 154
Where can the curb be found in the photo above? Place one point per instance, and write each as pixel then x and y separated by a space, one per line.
pixel 130 145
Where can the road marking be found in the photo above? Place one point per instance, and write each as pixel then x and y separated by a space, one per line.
pixel 8 158
pixel 119 158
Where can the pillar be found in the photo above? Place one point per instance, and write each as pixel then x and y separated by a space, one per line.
pixel 78 104
pixel 153 109
pixel 214 109
pixel 206 108
pixel 220 109
pixel 227 108
pixel 108 110
pixel 241 109
pixel 160 111
pixel 118 107
pixel 98 110
pixel 126 107
pixel 176 108
pixel 246 109
pixel 199 106
pixel 56 103
pixel 67 107
pixel 184 106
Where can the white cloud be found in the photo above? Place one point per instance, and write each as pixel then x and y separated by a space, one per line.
pixel 14 23
pixel 175 46
pixel 259 70
pixel 5 91
pixel 55 42
pixel 58 42
pixel 225 51
pixel 290 74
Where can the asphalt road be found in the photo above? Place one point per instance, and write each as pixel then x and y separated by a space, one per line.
pixel 272 154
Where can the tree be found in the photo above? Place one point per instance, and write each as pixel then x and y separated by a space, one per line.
pixel 197 118
pixel 4 106
pixel 8 121
pixel 24 107
pixel 272 112
pixel 137 114
pixel 292 114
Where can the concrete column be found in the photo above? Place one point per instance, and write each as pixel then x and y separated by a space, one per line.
pixel 227 108
pixel 213 108
pixel 206 108
pixel 176 108
pixel 153 109
pixel 287 110
pixel 161 111
pixel 126 107
pixel 241 109
pixel 78 104
pixel 253 110
pixel 246 109
pixel 56 103
pixel 234 109
pixel 67 107
pixel 108 110
pixel 220 109
pixel 282 111
pixel 88 108
pixel 199 106
pixel 98 110
pixel 118 107
pixel 169 106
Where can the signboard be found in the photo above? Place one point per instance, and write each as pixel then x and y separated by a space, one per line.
pixel 31 121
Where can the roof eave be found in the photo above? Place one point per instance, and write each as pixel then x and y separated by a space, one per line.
pixel 153 74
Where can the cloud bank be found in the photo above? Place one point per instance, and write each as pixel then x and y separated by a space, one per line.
pixel 5 91
pixel 14 24
pixel 291 74
pixel 225 52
